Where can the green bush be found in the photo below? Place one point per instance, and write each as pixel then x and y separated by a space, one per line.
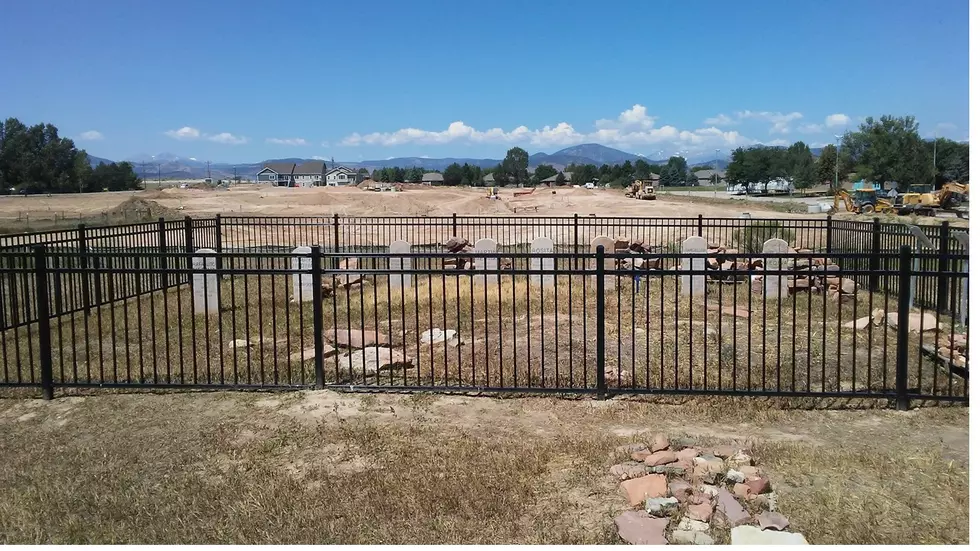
pixel 751 238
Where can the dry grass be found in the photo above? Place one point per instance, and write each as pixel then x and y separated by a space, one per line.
pixel 318 467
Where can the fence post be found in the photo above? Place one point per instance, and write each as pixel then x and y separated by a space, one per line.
pixel 86 281
pixel 317 315
pixel 600 316
pixel 575 239
pixel 43 321
pixel 189 246
pixel 162 236
pixel 875 259
pixel 217 243
pixel 942 290
pixel 830 227
pixel 336 238
pixel 454 224
pixel 902 353
pixel 700 225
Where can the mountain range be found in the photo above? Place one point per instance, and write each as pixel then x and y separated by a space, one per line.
pixel 169 165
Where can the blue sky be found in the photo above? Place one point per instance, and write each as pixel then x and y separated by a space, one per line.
pixel 250 80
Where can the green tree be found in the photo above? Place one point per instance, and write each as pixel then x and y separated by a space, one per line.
pixel 642 169
pixel 584 174
pixel 560 179
pixel 827 164
pixel 952 161
pixel 889 149
pixel 453 175
pixel 674 173
pixel 515 164
pixel 541 172
pixel 414 174
pixel 500 176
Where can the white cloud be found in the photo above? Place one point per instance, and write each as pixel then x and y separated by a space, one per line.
pixel 91 135
pixel 190 133
pixel 633 127
pixel 811 128
pixel 286 141
pixel 721 120
pixel 227 138
pixel 837 119
pixel 193 159
pixel 185 133
pixel 779 121
pixel 319 158
pixel 819 144
pixel 779 142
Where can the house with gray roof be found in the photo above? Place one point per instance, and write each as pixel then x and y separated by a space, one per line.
pixel 711 177
pixel 340 175
pixel 432 178
pixel 306 174
pixel 553 179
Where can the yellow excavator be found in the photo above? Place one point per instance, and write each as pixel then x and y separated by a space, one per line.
pixel 862 201
pixel 640 190
pixel 924 200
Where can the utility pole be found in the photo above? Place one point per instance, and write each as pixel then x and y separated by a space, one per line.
pixel 159 180
pixel 209 171
pixel 837 164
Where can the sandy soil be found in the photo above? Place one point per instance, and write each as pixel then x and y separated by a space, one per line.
pixel 415 200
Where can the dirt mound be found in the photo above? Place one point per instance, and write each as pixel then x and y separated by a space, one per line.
pixel 139 209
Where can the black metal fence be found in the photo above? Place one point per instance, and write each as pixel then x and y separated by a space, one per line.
pixel 566 322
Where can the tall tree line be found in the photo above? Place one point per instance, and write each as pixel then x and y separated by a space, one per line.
pixel 36 160
pixel 888 149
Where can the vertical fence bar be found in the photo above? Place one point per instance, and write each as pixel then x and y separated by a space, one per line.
pixel 86 285
pixel 336 238
pixel 43 321
pixel 454 224
pixel 575 239
pixel 217 243
pixel 875 259
pixel 600 323
pixel 189 245
pixel 317 316
pixel 902 353
pixel 942 289
pixel 162 238
pixel 700 225
pixel 830 227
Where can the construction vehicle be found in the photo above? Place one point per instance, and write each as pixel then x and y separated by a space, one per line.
pixel 862 201
pixel 640 190
pixel 524 192
pixel 492 192
pixel 924 200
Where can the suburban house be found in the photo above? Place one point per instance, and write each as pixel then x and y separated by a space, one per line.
pixel 488 180
pixel 340 176
pixel 711 177
pixel 432 178
pixel 553 179
pixel 308 174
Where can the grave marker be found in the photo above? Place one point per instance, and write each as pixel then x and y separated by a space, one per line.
pixel 543 245
pixel 205 286
pixel 774 283
pixel 485 263
pixel 302 283
pixel 399 263
pixel 609 246
pixel 693 284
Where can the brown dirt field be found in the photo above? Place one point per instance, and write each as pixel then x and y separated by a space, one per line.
pixel 418 200
pixel 322 467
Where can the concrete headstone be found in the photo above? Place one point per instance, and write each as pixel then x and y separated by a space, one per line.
pixel 543 245
pixel 693 284
pixel 609 246
pixel 486 263
pixel 774 283
pixel 302 283
pixel 398 263
pixel 205 285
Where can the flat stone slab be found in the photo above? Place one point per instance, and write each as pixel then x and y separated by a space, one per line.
pixel 354 338
pixel 639 528
pixel 753 535
pixel 637 490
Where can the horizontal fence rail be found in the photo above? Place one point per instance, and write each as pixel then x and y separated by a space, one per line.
pixel 176 313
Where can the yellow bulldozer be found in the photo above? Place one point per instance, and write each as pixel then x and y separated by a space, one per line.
pixel 862 201
pixel 642 190
pixel 924 200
